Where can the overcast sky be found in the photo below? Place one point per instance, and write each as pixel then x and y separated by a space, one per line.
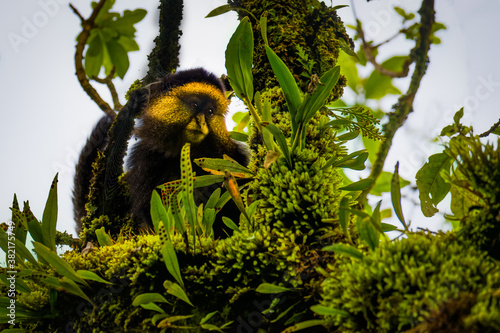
pixel 46 116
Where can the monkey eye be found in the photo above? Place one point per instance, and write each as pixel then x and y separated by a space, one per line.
pixel 194 105
pixel 210 112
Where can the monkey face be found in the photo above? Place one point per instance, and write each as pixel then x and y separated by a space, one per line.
pixel 187 113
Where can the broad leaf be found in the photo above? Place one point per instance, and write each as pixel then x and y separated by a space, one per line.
pixel 239 60
pixel 431 185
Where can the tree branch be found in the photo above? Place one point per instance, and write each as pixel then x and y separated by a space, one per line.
pixel 419 54
pixel 87 26
pixel 488 132
pixel 368 50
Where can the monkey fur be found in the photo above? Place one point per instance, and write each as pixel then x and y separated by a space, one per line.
pixel 188 106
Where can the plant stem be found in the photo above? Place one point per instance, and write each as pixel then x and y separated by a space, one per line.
pixel 405 103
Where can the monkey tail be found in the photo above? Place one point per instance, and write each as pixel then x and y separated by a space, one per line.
pixel 97 141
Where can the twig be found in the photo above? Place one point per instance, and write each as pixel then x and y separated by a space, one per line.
pixel 108 81
pixel 87 26
pixel 405 103
pixel 368 50
pixel 488 132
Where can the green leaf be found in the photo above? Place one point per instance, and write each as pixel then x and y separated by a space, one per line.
pixel 367 232
pixel 70 286
pixel 214 197
pixel 326 311
pixel 20 223
pixel 94 57
pixel 239 60
pixel 384 183
pixel 396 196
pixel 358 186
pixel 103 238
pixel 230 224
pixel 378 85
pixel 170 258
pixel 304 325
pixel 355 161
pixel 219 11
pixel 208 317
pixel 158 211
pixel 344 249
pixel 177 291
pixel 268 288
pixel 344 216
pixel 349 70
pixel 49 219
pixel 34 226
pixel 152 307
pixel 119 57
pixel 280 139
pixel 348 136
pixel 263 27
pixel 217 166
pixel 313 103
pixel 148 298
pixel 287 83
pixel 431 185
pixel 211 327
pixel 372 146
pixel 227 8
pixel 88 275
pixel 238 136
pixel 61 266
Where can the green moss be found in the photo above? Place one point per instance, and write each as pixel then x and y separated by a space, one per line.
pixel 396 286
pixel 476 192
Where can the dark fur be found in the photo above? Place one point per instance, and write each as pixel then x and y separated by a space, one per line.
pixel 83 173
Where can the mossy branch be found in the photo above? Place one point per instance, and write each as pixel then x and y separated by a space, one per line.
pixel 419 54
pixel 88 25
pixel 491 130
pixel 164 57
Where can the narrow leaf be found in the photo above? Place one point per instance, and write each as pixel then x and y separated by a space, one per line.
pixel 344 249
pixel 396 196
pixel 49 220
pixel 287 83
pixel 312 104
pixel 326 311
pixel 59 264
pixel 358 186
pixel 268 288
pixel 148 298
pixel 230 224
pixel 170 258
pixel 217 167
pixel 344 216
pixel 177 291
pixel 88 275
pixel 367 232
pixel 239 60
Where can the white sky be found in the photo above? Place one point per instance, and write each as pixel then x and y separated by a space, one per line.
pixel 46 116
